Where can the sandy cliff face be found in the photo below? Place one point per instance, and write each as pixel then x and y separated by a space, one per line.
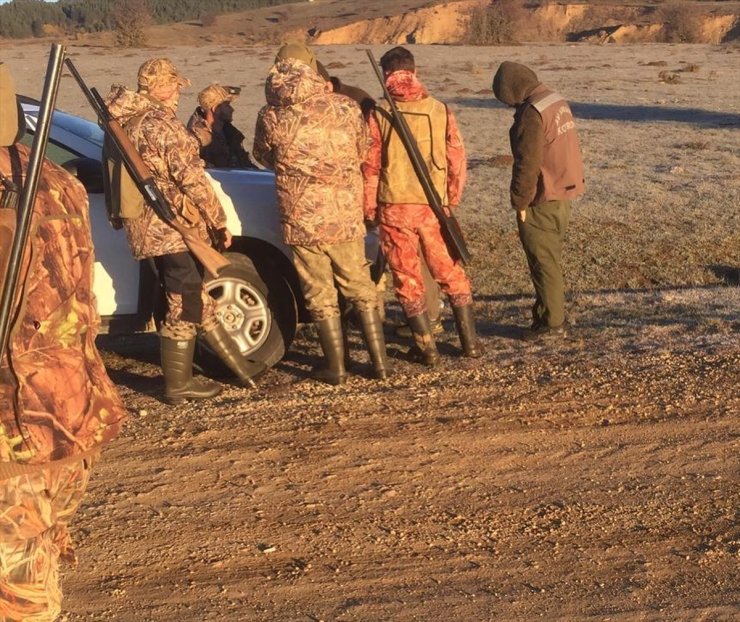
pixel 444 23
pixel 326 22
pixel 448 23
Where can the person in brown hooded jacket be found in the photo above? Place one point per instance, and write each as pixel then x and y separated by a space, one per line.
pixel 58 407
pixel 547 175
pixel 148 116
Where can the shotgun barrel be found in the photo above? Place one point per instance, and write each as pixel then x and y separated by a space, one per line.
pixel 28 193
pixel 451 232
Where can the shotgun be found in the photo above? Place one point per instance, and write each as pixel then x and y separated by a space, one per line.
pixel 28 193
pixel 451 233
pixel 209 257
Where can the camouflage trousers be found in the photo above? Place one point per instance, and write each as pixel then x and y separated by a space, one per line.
pixel 189 307
pixel 325 268
pixel 403 248
pixel 34 512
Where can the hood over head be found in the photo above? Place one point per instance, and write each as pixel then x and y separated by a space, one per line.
pixel 292 81
pixel 300 51
pixel 513 83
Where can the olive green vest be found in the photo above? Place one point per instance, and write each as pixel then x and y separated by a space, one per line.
pixel 427 120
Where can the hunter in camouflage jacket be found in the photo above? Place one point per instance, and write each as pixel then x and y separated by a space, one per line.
pixel 315 141
pixel 172 155
pixel 56 400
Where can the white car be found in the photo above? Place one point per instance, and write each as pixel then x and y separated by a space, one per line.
pixel 258 297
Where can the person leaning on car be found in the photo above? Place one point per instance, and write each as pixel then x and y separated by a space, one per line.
pixel 58 407
pixel 211 123
pixel 547 174
pixel 315 142
pixel 148 115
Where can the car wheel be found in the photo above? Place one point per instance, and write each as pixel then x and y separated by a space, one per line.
pixel 257 308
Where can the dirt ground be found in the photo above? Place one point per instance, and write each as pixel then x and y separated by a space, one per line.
pixel 593 478
pixel 596 478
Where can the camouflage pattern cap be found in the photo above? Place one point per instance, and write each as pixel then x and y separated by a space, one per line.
pixel 158 71
pixel 8 108
pixel 213 95
pixel 297 51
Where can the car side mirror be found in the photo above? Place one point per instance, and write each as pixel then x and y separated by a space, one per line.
pixel 88 171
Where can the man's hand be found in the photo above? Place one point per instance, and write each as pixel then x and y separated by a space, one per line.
pixel 521 215
pixel 223 239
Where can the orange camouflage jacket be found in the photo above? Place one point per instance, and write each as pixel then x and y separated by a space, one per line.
pixel 56 400
pixel 405 86
pixel 315 141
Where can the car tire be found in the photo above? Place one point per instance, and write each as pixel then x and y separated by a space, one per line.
pixel 257 307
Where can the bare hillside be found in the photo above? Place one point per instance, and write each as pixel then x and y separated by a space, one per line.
pixel 325 22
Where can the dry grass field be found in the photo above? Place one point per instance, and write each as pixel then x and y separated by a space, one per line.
pixel 593 479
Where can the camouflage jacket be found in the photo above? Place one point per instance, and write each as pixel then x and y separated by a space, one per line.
pixel 172 155
pixel 219 149
pixel 315 141
pixel 56 400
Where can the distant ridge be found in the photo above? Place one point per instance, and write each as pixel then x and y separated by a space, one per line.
pixel 21 19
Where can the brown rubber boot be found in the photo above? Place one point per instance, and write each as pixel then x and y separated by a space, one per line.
pixel 372 330
pixel 332 344
pixel 177 367
pixel 425 350
pixel 465 323
pixel 226 349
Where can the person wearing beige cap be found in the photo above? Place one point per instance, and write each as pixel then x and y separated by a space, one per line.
pixel 211 123
pixel 172 155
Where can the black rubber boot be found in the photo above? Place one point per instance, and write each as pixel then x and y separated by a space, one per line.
pixel 332 344
pixel 372 330
pixel 425 350
pixel 465 323
pixel 226 349
pixel 177 367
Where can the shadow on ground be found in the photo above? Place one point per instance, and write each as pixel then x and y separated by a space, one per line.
pixel 626 112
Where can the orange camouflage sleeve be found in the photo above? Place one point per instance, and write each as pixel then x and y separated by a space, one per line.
pixel 457 165
pixel 371 169
pixel 187 170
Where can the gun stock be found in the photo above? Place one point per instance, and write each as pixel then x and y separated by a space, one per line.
pixel 451 232
pixel 211 260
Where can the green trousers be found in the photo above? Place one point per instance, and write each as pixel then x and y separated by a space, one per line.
pixel 542 235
